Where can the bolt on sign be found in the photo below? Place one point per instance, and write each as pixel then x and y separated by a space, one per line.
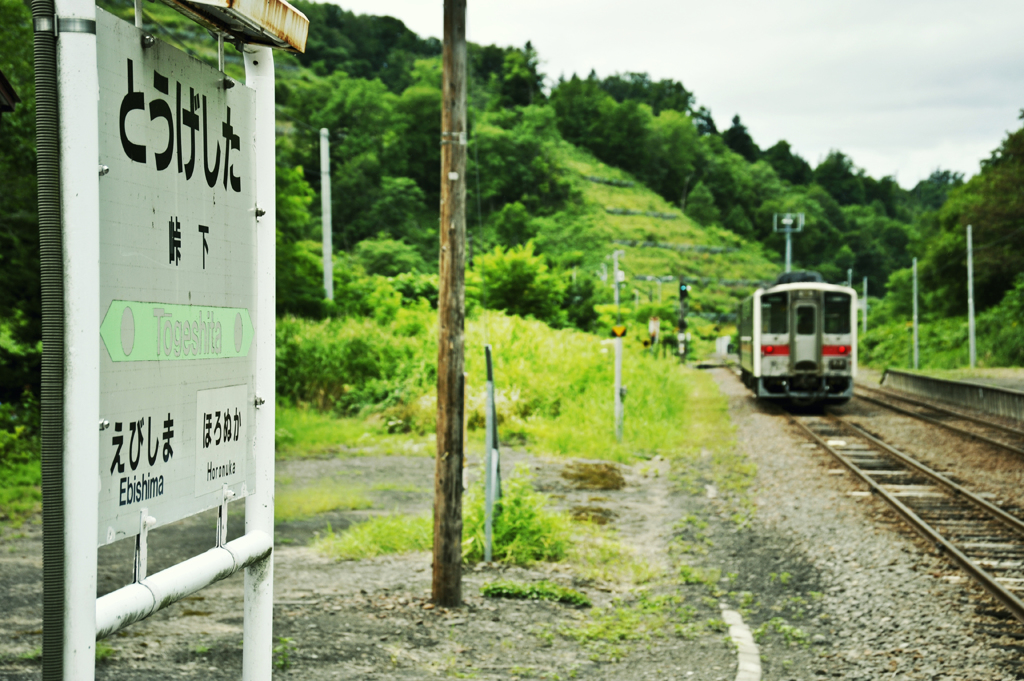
pixel 177 283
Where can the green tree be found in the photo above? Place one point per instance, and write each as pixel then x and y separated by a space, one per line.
pixel 388 257
pixel 790 167
pixel 517 161
pixel 519 282
pixel 512 224
pixel 579 105
pixel 20 296
pixel 674 155
pixel 363 45
pixel 420 105
pixel 659 95
pixel 700 205
pixel 992 203
pixel 739 140
pixel 837 175
pixel 520 83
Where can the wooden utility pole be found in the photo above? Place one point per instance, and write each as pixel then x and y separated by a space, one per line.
pixel 451 307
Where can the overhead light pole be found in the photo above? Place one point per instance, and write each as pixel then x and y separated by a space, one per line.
pixel 788 220
pixel 970 298
pixel 325 211
pixel 916 354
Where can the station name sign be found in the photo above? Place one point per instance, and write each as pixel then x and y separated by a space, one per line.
pixel 177 283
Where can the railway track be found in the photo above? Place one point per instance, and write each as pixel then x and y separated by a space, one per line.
pixel 966 425
pixel 984 540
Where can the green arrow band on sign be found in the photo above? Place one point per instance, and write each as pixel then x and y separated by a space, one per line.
pixel 149 332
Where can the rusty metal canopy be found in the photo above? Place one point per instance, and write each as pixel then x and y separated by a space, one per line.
pixel 262 22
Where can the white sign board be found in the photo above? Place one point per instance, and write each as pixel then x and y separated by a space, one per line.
pixel 177 283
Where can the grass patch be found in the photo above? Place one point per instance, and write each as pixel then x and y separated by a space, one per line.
pixel 649 616
pixel 790 634
pixel 525 531
pixel 302 432
pixel 398 487
pixel 596 554
pixel 20 472
pixel 305 502
pixel 104 651
pixel 378 536
pixel 554 388
pixel 535 591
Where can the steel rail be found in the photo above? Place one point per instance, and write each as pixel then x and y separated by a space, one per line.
pixel 936 422
pixel 943 410
pixel 1011 521
pixel 987 581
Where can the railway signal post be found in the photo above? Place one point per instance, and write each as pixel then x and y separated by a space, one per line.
pixel 684 308
pixel 618 332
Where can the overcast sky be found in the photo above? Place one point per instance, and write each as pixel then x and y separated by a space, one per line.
pixel 902 86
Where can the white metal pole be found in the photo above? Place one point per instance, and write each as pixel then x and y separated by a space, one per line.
pixel 849 276
pixel 325 210
pixel 865 304
pixel 258 623
pixel 488 458
pixel 78 84
pixel 916 352
pixel 615 282
pixel 970 298
pixel 618 388
pixel 789 249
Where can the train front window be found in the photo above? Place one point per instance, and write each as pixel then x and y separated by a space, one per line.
pixel 805 320
pixel 775 313
pixel 837 313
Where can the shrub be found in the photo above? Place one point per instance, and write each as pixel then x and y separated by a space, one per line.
pixel 347 365
pixel 520 283
pixel 20 475
pixel 524 529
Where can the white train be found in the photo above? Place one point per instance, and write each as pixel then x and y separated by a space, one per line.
pixel 798 340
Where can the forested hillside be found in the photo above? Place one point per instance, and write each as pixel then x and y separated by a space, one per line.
pixel 561 173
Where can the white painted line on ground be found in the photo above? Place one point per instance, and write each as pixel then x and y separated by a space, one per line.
pixel 749 656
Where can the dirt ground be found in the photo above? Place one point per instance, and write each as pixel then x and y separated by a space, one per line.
pixel 802 572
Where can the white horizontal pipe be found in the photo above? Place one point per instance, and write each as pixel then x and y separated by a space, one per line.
pixel 135 602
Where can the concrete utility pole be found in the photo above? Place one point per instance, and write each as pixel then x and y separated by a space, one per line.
pixel 865 304
pixel 788 219
pixel 447 575
pixel 916 355
pixel 970 298
pixel 325 210
pixel 617 277
pixel 849 276
pixel 615 283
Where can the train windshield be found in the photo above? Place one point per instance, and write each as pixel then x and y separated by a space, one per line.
pixel 805 325
pixel 775 313
pixel 837 313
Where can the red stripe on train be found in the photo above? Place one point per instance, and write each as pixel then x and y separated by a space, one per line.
pixel 841 350
pixel 775 350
